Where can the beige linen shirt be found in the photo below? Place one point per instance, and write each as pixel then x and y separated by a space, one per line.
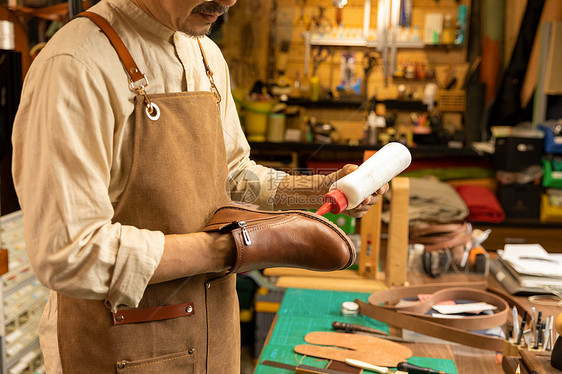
pixel 73 152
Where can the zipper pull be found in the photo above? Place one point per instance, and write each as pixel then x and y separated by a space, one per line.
pixel 245 235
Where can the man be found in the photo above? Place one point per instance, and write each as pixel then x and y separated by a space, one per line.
pixel 117 176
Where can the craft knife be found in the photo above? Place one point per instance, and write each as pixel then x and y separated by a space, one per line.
pixel 300 369
pixel 402 367
pixel 375 368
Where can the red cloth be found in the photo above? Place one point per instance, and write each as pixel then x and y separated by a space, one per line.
pixel 482 203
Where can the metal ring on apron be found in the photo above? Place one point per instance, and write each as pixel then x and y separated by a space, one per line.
pixel 153 114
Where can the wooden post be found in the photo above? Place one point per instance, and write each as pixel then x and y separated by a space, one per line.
pixel 370 236
pixel 397 249
pixel 370 241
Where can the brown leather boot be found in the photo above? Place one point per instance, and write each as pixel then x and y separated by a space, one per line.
pixel 291 238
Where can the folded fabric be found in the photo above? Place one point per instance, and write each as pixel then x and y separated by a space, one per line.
pixel 482 203
pixel 432 200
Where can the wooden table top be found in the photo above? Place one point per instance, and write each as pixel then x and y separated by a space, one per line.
pixel 468 360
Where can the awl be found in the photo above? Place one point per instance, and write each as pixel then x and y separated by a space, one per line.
pixel 353 328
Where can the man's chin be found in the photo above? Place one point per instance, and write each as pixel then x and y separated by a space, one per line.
pixel 197 32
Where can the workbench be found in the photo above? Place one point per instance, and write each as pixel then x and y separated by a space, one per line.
pixel 306 310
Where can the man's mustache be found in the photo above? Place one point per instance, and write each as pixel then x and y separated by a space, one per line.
pixel 210 7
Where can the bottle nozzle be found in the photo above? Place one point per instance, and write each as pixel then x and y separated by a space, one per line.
pixel 334 202
pixel 324 208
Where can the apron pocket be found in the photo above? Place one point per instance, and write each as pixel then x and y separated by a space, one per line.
pixel 175 363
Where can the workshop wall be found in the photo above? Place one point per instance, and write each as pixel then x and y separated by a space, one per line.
pixel 289 18
pixel 253 53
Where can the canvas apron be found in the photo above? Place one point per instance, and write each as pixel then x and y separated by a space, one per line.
pixel 178 179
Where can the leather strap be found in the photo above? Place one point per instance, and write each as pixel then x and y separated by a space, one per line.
pixel 431 328
pixel 153 314
pixel 419 309
pixel 137 77
pixel 426 229
pixel 436 237
pixel 413 317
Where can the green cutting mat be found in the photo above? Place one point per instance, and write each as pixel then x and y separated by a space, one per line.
pixel 286 355
pixel 325 307
pixel 290 330
pixel 303 311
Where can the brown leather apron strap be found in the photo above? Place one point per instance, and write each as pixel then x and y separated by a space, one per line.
pixel 137 78
pixel 429 328
pixel 152 314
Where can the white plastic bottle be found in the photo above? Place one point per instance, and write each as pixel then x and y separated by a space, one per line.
pixel 379 169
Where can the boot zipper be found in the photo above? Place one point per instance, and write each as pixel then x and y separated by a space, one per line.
pixel 239 224
pixel 245 235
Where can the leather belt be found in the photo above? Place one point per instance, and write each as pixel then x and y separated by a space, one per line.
pixel 152 314
pixel 440 236
pixel 412 317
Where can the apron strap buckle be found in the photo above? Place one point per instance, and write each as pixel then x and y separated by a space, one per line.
pixel 139 84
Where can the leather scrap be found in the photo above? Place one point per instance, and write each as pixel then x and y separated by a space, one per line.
pixel 375 351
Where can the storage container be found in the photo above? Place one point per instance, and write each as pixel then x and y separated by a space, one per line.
pixel 520 200
pixel 515 153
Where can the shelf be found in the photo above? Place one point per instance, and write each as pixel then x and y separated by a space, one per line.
pixel 57 12
pixel 338 42
pixel 18 356
pixel 341 42
pixel 419 151
pixel 355 103
pixel 359 42
pixel 358 103
pixel 521 222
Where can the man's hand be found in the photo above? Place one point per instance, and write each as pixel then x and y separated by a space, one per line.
pixel 361 209
pixel 306 191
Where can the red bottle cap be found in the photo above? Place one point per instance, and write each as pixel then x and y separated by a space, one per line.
pixel 334 202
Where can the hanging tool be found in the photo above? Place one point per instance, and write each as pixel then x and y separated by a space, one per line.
pixel 319 55
pixel 302 18
pixel 339 4
pixel 369 62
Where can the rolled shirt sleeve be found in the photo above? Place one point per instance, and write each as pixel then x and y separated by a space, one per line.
pixel 63 141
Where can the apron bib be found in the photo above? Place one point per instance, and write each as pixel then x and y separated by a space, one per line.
pixel 178 179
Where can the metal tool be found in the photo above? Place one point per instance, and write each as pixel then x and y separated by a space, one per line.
pixel 414 369
pixel 353 328
pixel 375 368
pixel 402 367
pixel 300 369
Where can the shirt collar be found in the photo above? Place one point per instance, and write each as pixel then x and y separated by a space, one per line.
pixel 142 20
